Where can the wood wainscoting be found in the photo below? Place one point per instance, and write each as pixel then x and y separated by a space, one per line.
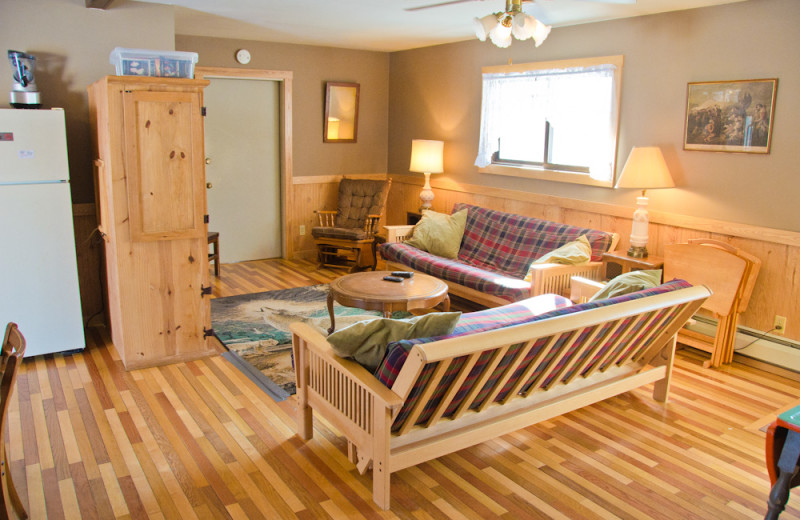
pixel 777 289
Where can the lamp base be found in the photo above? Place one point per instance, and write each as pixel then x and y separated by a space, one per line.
pixel 637 252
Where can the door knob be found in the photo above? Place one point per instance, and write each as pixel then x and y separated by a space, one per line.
pixel 208 160
pixel 209 185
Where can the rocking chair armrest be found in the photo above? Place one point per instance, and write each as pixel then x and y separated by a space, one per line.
pixel 371 223
pixel 327 217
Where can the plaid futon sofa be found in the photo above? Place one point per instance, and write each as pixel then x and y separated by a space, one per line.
pixel 549 306
pixel 496 251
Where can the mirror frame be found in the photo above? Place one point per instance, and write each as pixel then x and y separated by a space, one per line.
pixel 329 86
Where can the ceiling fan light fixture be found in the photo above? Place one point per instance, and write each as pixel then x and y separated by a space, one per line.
pixel 523 26
pixel 501 35
pixel 540 32
pixel 483 26
pixel 499 27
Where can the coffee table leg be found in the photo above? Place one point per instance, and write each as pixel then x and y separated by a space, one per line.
pixel 330 312
pixel 446 303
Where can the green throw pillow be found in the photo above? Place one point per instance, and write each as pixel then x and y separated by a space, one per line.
pixel 628 283
pixel 439 234
pixel 579 251
pixel 365 342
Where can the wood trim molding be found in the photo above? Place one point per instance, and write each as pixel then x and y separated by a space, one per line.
pixel 322 179
pixel 765 234
pixel 285 77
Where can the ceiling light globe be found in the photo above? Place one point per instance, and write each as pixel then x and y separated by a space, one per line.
pixel 541 32
pixel 483 26
pixel 501 36
pixel 523 26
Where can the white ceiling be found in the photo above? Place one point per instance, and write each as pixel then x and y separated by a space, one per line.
pixel 385 25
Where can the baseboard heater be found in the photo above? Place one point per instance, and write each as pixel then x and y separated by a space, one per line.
pixel 756 344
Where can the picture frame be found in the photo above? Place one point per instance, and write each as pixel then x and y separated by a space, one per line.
pixel 730 116
pixel 340 124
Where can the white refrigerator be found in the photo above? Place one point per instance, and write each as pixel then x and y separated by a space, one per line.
pixel 38 268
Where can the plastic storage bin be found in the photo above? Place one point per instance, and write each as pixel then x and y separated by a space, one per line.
pixel 143 62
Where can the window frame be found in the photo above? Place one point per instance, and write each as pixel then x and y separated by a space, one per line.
pixel 543 173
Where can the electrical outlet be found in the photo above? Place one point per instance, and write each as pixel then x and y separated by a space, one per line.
pixel 779 324
pixel 302 230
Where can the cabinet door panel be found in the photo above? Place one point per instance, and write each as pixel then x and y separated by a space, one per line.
pixel 166 195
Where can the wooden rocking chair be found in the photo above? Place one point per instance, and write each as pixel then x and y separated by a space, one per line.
pixel 346 236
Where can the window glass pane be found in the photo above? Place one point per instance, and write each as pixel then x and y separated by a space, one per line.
pixel 581 120
pixel 578 101
pixel 521 121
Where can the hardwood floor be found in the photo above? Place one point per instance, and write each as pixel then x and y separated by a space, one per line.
pixel 199 440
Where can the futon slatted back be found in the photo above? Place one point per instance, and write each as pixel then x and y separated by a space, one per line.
pixel 452 378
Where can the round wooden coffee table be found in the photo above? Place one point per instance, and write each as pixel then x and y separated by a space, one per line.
pixel 369 291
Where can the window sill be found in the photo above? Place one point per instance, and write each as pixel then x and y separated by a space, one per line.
pixel 545 175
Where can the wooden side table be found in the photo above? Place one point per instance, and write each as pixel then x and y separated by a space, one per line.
pixel 629 263
pixel 369 291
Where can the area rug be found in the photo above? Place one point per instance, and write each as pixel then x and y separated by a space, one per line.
pixel 255 328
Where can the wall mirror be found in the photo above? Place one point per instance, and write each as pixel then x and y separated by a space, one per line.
pixel 341 112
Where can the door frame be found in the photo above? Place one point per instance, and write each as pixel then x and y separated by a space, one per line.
pixel 284 77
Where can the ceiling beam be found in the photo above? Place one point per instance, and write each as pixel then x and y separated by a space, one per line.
pixel 98 4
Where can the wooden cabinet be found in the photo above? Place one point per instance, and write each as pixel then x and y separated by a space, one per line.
pixel 150 184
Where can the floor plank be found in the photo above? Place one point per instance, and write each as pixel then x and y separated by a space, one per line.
pixel 199 440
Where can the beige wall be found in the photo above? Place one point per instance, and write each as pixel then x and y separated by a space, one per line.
pixel 72 44
pixel 436 92
pixel 312 67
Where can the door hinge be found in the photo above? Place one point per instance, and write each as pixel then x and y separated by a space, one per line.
pixel 205 291
pixel 207 332
pixel 203 111
pixel 205 219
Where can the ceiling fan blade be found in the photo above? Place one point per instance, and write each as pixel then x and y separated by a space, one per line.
pixel 439 5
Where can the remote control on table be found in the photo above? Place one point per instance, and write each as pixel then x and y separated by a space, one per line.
pixel 403 274
pixel 393 278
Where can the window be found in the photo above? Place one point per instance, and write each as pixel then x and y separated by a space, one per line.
pixel 552 120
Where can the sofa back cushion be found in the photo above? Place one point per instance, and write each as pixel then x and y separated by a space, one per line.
pixel 507 243
pixel 359 198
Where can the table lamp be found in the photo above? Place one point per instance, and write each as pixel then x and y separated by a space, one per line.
pixel 426 157
pixel 644 169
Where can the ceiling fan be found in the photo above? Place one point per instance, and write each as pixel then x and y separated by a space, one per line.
pixel 451 2
pixel 500 26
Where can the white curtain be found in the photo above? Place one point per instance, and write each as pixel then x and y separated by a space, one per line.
pixel 578 103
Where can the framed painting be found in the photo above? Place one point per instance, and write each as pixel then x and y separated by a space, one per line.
pixel 730 116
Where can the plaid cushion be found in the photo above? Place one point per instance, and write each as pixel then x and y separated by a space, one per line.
pixel 469 323
pixel 511 289
pixel 337 232
pixel 506 243
pixel 398 352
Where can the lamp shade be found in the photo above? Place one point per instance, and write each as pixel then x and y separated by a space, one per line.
pixel 427 156
pixel 645 169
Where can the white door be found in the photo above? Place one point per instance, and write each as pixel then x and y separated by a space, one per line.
pixel 242 142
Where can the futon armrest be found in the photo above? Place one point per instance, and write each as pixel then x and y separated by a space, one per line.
pixel 581 289
pixel 555 278
pixel 311 339
pixel 397 233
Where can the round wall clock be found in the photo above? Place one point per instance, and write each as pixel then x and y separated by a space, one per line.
pixel 243 56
